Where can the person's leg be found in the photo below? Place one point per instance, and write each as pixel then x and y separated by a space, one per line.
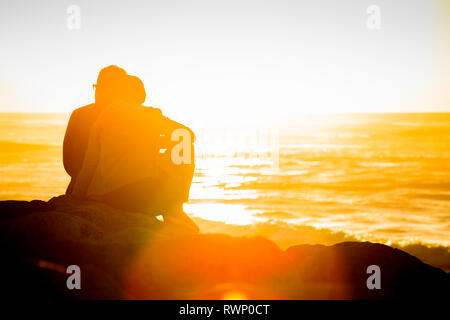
pixel 177 218
pixel 141 196
pixel 155 197
pixel 178 187
pixel 163 194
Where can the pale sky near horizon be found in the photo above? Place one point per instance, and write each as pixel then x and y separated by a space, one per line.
pixel 234 59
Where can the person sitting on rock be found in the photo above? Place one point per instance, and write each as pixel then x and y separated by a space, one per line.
pixel 123 166
pixel 109 82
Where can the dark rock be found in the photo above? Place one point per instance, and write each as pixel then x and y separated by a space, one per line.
pixel 130 255
pixel 14 209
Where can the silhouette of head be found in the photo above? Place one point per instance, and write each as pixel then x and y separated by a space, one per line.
pixel 134 90
pixel 110 83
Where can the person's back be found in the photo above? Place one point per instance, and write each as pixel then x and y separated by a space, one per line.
pixel 82 119
pixel 76 140
pixel 121 149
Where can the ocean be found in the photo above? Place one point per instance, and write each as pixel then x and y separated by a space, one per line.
pixel 376 177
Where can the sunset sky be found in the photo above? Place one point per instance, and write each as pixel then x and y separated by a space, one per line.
pixel 230 59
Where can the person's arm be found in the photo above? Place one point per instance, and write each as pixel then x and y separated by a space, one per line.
pixel 168 125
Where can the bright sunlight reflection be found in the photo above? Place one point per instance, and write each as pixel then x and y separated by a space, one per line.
pixel 234 295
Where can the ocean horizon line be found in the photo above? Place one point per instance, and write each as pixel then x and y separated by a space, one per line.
pixel 301 113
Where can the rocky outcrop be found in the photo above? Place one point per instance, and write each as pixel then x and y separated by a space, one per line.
pixel 126 255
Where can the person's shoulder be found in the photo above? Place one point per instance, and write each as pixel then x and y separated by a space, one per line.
pixel 84 109
pixel 87 111
pixel 152 114
pixel 152 111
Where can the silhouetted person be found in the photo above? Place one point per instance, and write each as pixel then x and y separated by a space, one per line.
pixel 123 166
pixel 80 123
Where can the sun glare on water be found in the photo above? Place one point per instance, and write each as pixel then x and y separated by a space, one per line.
pixel 234 295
